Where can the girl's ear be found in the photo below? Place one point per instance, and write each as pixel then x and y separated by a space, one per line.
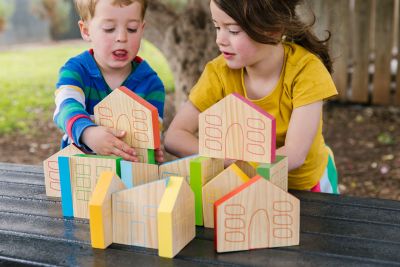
pixel 84 30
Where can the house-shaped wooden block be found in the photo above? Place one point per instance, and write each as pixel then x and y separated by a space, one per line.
pixel 137 173
pixel 135 214
pixel 176 218
pixel 179 167
pixel 202 170
pixel 78 176
pixel 100 209
pixel 220 185
pixel 51 171
pixel 257 214
pixel 235 128
pixel 276 172
pixel 124 110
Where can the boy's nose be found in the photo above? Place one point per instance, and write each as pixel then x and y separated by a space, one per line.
pixel 121 36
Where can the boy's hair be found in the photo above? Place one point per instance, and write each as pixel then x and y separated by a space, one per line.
pixel 86 8
pixel 260 18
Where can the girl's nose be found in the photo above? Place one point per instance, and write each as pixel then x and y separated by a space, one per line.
pixel 221 38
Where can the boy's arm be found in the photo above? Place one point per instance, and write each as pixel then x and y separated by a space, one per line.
pixel 180 139
pixel 70 114
pixel 301 132
pixel 73 119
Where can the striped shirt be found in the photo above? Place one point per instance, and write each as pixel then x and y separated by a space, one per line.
pixel 81 87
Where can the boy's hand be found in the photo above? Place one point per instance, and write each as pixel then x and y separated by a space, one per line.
pixel 106 141
pixel 159 155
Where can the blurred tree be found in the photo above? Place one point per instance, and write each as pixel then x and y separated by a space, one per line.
pixel 57 12
pixel 6 10
pixel 183 31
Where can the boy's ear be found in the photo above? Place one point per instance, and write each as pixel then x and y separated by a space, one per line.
pixel 84 30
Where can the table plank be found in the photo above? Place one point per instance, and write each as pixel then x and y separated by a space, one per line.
pixel 335 231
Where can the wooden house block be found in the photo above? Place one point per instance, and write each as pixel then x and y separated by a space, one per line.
pixel 124 110
pixel 176 218
pixel 78 184
pixel 51 171
pixel 247 167
pixel 202 170
pixel 220 185
pixel 136 173
pixel 135 214
pixel 145 155
pixel 257 214
pixel 100 209
pixel 65 183
pixel 276 172
pixel 235 128
pixel 179 167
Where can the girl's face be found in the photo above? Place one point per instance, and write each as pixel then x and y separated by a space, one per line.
pixel 115 33
pixel 238 49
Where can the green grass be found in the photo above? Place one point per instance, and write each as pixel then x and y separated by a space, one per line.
pixel 28 77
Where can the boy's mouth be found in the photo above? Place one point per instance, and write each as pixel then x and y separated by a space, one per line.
pixel 120 54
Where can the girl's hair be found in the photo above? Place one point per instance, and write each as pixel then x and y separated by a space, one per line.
pixel 260 18
pixel 86 8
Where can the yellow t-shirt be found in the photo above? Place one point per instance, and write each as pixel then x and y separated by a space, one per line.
pixel 303 80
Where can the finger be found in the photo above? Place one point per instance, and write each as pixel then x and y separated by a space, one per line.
pixel 159 159
pixel 159 155
pixel 117 133
pixel 120 153
pixel 125 148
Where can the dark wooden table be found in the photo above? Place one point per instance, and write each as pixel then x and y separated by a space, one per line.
pixel 335 231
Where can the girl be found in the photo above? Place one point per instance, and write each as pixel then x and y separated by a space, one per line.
pixel 272 58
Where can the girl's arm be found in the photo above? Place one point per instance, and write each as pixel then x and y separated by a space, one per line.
pixel 180 139
pixel 302 129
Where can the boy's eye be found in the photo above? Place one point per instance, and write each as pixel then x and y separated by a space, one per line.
pixel 217 28
pixel 108 30
pixel 131 30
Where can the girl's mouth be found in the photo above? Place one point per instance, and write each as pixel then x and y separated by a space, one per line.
pixel 227 55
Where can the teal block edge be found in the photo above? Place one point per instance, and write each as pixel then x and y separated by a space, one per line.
pixel 126 173
pixel 65 183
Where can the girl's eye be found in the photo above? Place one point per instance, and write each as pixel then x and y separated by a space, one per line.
pixel 132 30
pixel 217 28
pixel 234 32
pixel 108 30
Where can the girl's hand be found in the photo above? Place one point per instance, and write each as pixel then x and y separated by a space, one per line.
pixel 106 141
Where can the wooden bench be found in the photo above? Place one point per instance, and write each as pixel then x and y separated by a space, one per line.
pixel 335 230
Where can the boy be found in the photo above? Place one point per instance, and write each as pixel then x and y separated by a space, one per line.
pixel 114 28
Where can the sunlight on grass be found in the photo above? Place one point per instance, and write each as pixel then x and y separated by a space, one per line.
pixel 28 78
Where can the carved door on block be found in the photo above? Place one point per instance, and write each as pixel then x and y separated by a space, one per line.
pixel 259 230
pixel 234 142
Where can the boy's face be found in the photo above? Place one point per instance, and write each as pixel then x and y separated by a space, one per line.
pixel 115 33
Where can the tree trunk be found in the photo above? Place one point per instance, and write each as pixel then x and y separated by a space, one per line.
pixel 186 39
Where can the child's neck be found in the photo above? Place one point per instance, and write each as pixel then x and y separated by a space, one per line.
pixel 261 78
pixel 115 77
